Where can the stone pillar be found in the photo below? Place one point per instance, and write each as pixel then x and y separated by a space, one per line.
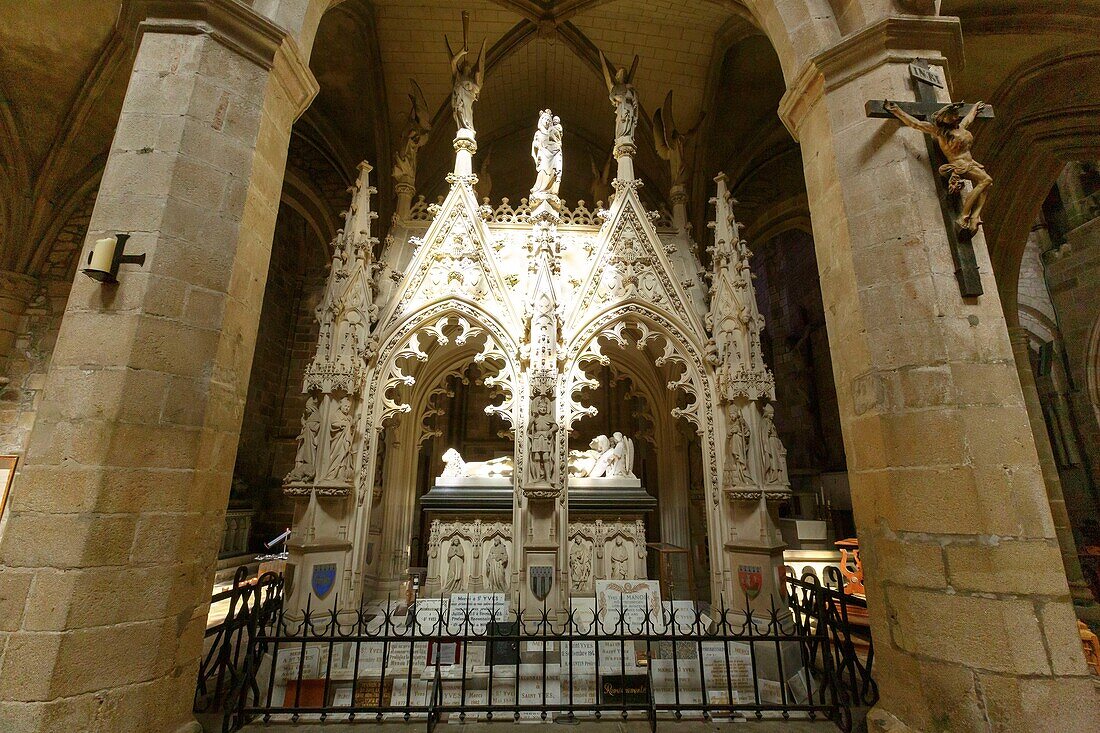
pixel 969 604
pixel 107 556
pixel 1062 526
pixel 624 155
pixel 465 145
pixel 679 198
pixel 405 191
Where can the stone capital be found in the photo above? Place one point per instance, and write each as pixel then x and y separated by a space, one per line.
pixel 895 40
pixel 235 26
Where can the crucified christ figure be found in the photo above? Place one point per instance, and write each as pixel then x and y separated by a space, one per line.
pixel 951 132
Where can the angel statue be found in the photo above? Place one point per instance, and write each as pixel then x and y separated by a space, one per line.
pixel 951 132
pixel 466 76
pixel 546 152
pixel 413 138
pixel 621 92
pixel 671 143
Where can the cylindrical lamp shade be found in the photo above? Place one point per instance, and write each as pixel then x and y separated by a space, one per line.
pixel 103 254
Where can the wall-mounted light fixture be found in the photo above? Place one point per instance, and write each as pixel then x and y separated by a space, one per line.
pixel 107 255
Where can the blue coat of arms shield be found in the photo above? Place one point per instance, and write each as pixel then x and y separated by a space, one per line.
pixel 324 577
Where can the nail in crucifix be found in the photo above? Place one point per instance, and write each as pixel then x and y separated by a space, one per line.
pixel 949 144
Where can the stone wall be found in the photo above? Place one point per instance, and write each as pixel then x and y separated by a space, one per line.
pixel 1073 278
pixel 285 342
pixel 25 364
pixel 283 348
pixel 796 348
pixel 28 361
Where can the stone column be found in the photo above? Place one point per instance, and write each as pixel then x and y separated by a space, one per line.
pixel 107 555
pixel 1062 526
pixel 969 604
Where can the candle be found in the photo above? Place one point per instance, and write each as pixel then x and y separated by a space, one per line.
pixel 103 254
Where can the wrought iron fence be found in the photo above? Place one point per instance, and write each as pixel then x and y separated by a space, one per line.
pixel 844 617
pixel 228 667
pixel 802 658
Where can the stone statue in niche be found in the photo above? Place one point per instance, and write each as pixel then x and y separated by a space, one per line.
pixel 339 452
pixel 456 561
pixel 580 566
pixel 413 138
pixel 774 457
pixel 671 143
pixel 619 560
pixel 496 567
pixel 467 77
pixel 455 467
pixel 541 438
pixel 605 458
pixel 955 140
pixel 737 446
pixel 546 152
pixel 623 96
pixel 305 462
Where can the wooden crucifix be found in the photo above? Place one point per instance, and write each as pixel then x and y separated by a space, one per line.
pixel 949 144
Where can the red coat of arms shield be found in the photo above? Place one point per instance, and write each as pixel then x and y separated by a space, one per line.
pixel 751 580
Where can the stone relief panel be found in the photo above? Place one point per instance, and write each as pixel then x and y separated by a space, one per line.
pixel 605 550
pixel 469 556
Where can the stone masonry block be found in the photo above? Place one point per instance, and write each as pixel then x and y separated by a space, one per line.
pixel 905 562
pixel 1005 566
pixel 1062 638
pixel 66 540
pixel 999 436
pixel 1000 635
pixel 15 586
pixel 1041 704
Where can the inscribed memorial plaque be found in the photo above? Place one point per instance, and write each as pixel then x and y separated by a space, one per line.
pixel 478 608
pixel 289 662
pixel 372 692
pixel 722 676
pixel 636 602
pixel 629 690
pixel 538 685
pixel 796 686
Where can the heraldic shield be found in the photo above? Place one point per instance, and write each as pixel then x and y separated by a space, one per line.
pixel 751 580
pixel 542 580
pixel 324 577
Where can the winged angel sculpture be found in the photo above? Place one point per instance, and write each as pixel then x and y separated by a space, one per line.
pixel 621 92
pixel 467 76
pixel 414 137
pixel 671 143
